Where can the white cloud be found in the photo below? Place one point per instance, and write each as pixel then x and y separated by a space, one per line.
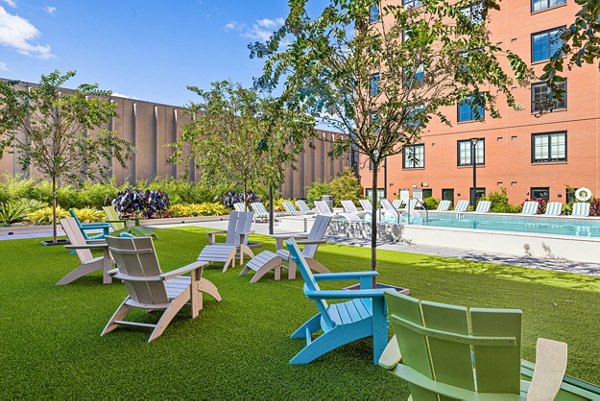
pixel 261 29
pixel 3 66
pixel 50 10
pixel 117 94
pixel 18 33
pixel 10 3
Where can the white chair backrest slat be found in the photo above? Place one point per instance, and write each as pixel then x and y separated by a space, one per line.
pixel 443 206
pixel 389 208
pixel 553 209
pixel 317 232
pixel 323 208
pixel 349 206
pixel 530 207
pixel 71 229
pixel 581 209
pixel 461 206
pixel 483 206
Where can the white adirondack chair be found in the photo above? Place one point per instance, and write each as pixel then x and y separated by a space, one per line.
pixel 461 206
pixel 266 261
pixel 304 207
pixel 151 289
pixel 83 248
pixel 581 209
pixel 236 240
pixel 530 207
pixel 553 209
pixel 483 206
pixel 443 206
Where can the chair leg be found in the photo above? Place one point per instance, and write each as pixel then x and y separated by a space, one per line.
pixel 291 269
pixel 273 264
pixel 82 270
pixel 230 261
pixel 119 314
pixel 313 325
pixel 169 314
pixel 209 288
pixel 316 266
pixel 245 250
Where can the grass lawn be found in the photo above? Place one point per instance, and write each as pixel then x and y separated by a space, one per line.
pixel 239 348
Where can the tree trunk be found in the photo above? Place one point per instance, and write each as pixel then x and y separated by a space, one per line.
pixel 245 195
pixel 54 230
pixel 374 221
pixel 271 217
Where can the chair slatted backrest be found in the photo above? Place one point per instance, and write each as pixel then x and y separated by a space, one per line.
pixel 483 206
pixel 366 205
pixel 349 206
pixel 581 209
pixel 461 206
pixel 259 208
pixel 71 229
pixel 443 206
pixel 289 207
pixel 317 232
pixel 388 207
pixel 239 207
pixel 136 260
pixel 231 225
pixel 553 209
pixel 413 203
pixel 303 206
pixel 530 207
pixel 112 215
pixel 477 349
pixel 239 222
pixel 323 207
pixel 397 203
pixel 310 283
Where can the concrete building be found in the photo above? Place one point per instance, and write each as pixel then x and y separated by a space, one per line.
pixel 150 127
pixel 530 156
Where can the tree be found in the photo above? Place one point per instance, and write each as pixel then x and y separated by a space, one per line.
pixel 381 83
pixel 580 45
pixel 47 128
pixel 236 136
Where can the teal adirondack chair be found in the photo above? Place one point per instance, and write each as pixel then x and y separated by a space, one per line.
pixel 364 315
pixel 466 353
pixel 105 227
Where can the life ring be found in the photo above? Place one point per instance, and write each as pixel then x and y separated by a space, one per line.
pixel 583 194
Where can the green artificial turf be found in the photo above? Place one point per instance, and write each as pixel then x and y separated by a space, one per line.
pixel 239 349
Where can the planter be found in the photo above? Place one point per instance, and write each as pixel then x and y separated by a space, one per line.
pixel 382 286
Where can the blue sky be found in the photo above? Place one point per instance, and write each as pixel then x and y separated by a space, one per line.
pixel 145 49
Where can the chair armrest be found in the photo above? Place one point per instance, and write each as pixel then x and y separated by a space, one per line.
pixel 117 221
pixel 112 272
pixel 95 241
pixel 212 234
pixel 183 270
pixel 217 232
pixel 343 294
pixel 344 276
pixel 286 236
pixel 94 225
pixel 311 242
pixel 88 246
pixel 391 355
pixel 550 368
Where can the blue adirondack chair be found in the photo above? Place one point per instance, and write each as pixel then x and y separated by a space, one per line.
pixel 105 227
pixel 364 315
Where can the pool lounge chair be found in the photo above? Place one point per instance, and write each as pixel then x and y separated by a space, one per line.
pixel 483 206
pixel 461 206
pixel 151 289
pixel 239 207
pixel 304 207
pixel 289 207
pixel 324 210
pixel 443 206
pixel 266 261
pixel 530 207
pixel 238 231
pixel 260 211
pixel 581 209
pixel 453 352
pixel 398 204
pixel 389 211
pixel 350 207
pixel 553 209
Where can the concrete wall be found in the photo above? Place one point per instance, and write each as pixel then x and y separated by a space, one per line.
pixel 150 127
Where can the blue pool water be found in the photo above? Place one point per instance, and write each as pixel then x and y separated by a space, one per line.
pixel 543 225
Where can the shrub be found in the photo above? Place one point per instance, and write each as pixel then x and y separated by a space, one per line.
pixel 346 187
pixel 43 216
pixel 595 207
pixel 13 212
pixel 500 202
pixel 197 209
pixel 431 203
pixel 89 215
pixel 95 195
pixel 278 204
pixel 316 191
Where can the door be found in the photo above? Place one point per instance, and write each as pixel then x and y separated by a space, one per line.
pixel 448 194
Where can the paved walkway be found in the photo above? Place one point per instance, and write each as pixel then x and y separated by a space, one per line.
pixel 291 225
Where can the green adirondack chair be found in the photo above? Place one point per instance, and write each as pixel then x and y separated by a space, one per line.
pixel 120 225
pixel 453 352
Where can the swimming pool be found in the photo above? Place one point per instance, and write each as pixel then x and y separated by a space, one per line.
pixel 580 227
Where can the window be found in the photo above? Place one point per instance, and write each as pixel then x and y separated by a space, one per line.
pixel 474 12
pixel 541 97
pixel 374 87
pixel 539 5
pixel 479 193
pixel 469 111
pixel 464 152
pixel 427 193
pixel 415 116
pixel 549 147
pixel 545 44
pixel 448 194
pixel 414 156
pixel 374 13
pixel 570 195
pixel 380 193
pixel 413 77
pixel 412 3
pixel 540 193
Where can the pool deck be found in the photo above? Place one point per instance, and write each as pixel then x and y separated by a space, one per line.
pixel 295 225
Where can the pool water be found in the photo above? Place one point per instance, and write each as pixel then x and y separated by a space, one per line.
pixel 543 225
